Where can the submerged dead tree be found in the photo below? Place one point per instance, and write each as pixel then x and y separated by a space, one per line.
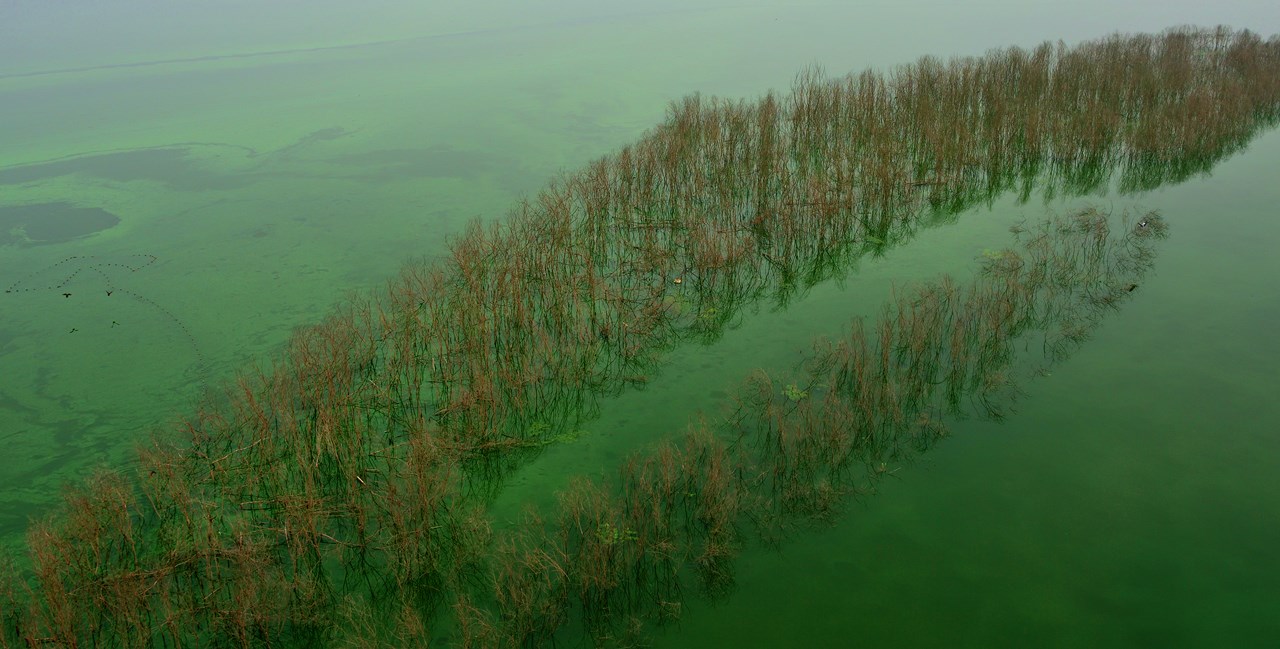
pixel 356 466
pixel 618 553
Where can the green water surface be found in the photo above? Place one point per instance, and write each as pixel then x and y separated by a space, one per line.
pixel 261 173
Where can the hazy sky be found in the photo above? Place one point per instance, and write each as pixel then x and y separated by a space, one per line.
pixel 38 35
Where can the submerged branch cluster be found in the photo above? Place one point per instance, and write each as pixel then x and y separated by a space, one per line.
pixel 352 473
pixel 616 553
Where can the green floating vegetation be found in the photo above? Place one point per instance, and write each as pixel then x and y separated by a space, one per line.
pixel 794 393
pixel 338 493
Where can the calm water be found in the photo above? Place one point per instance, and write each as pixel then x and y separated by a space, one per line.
pixel 273 160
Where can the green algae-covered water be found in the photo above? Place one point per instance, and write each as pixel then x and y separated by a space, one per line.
pixel 176 200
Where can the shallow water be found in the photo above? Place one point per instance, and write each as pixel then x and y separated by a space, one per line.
pixel 1125 503
pixel 1129 501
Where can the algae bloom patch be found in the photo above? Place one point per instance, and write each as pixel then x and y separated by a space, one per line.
pixel 46 223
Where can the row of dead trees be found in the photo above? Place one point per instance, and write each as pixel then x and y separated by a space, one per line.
pixel 350 474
